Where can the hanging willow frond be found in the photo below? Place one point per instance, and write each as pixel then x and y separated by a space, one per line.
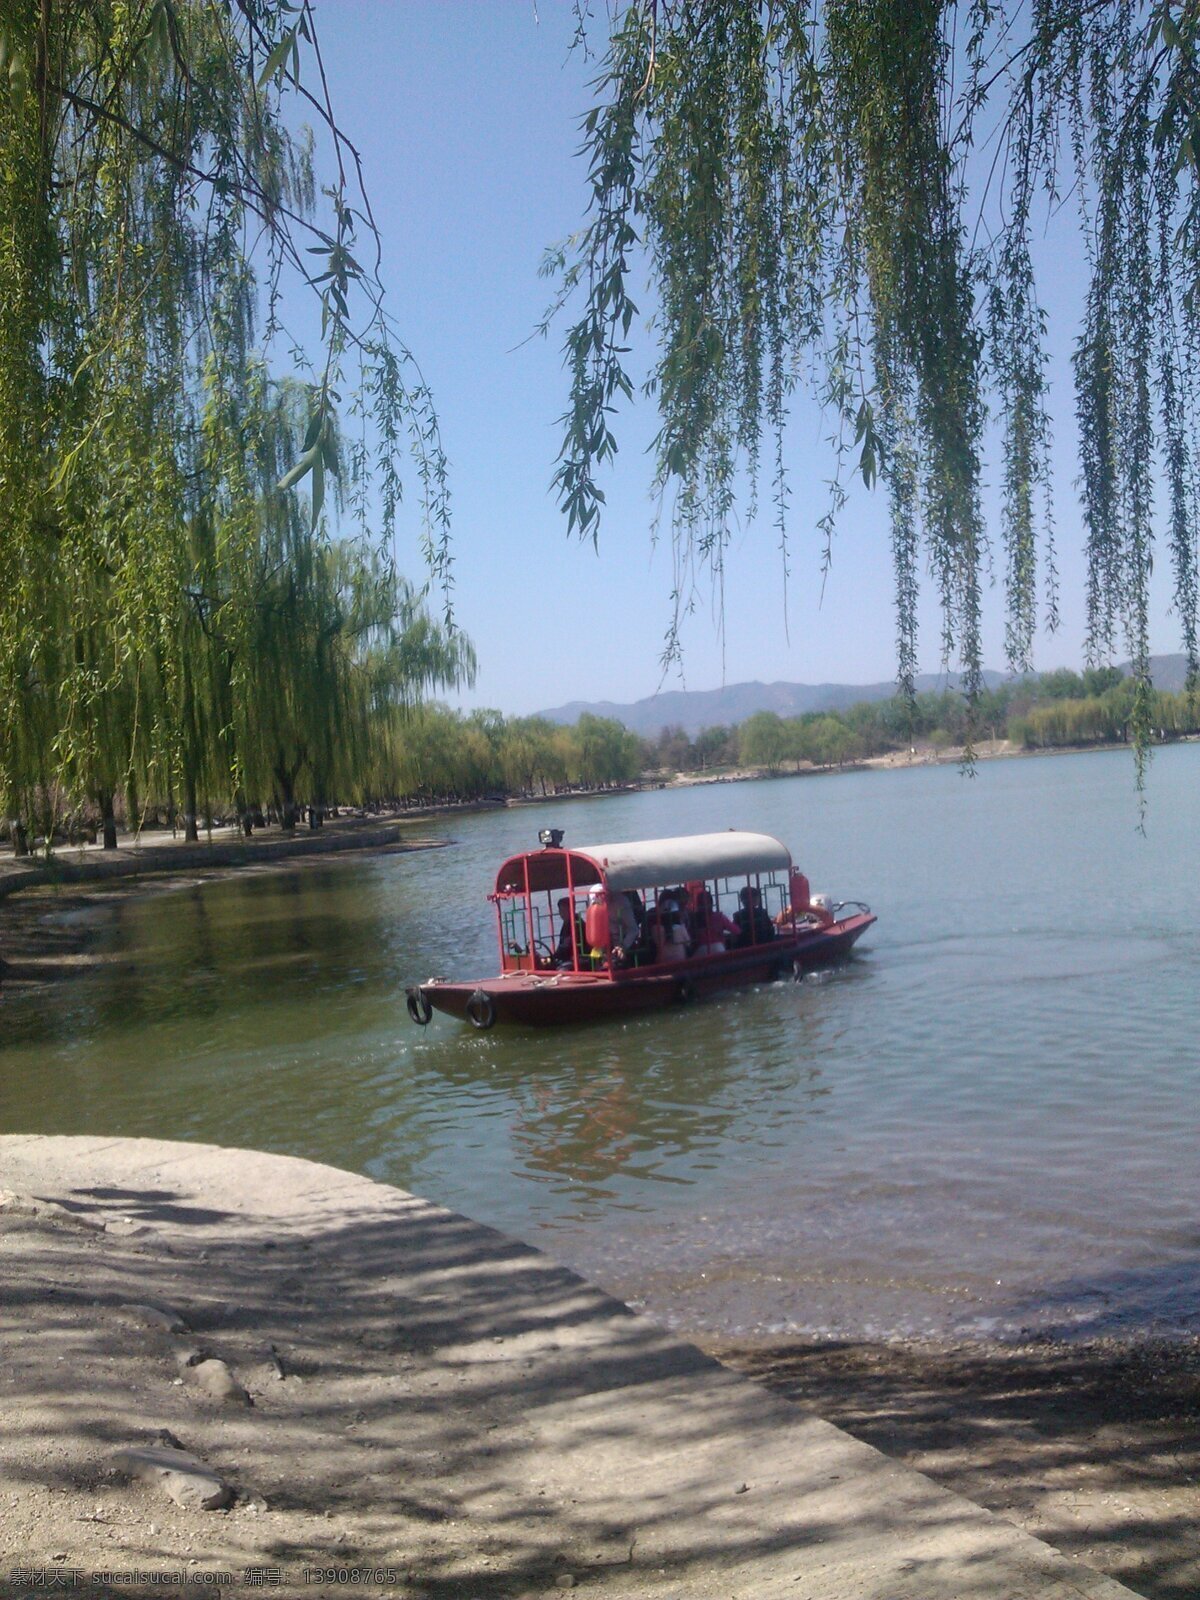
pixel 153 200
pixel 850 187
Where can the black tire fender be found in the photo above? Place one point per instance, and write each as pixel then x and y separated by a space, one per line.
pixel 685 992
pixel 419 1008
pixel 481 1013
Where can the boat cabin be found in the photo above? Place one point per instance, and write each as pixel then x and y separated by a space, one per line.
pixel 613 908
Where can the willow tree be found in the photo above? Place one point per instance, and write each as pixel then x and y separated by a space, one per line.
pixel 845 193
pixel 155 207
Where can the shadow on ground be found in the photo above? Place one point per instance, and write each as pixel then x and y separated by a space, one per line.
pixel 430 1399
pixel 1093 1446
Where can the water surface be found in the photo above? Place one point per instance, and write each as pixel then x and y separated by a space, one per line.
pixel 985 1122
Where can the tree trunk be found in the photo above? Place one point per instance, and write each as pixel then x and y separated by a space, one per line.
pixel 20 839
pixel 286 778
pixel 108 819
pixel 190 832
pixel 287 810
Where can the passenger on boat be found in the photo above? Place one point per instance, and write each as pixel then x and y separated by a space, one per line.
pixel 668 928
pixel 564 950
pixel 622 924
pixel 668 903
pixel 642 949
pixel 712 930
pixel 753 924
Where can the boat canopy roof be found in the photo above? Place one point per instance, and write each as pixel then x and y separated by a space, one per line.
pixel 643 863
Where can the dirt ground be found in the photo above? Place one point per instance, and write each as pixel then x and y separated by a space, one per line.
pixel 1094 1449
pixel 360 1450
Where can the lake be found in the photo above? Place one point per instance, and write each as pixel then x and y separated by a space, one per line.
pixel 984 1123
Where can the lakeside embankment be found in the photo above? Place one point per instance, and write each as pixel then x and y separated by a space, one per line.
pixel 1093 1447
pixel 223 1362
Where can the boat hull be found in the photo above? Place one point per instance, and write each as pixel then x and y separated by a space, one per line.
pixel 546 999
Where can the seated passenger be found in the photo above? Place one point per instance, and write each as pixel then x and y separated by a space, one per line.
pixel 667 904
pixel 668 930
pixel 564 950
pixel 670 937
pixel 753 924
pixel 712 929
pixel 643 948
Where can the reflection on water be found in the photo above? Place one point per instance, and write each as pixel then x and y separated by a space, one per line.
pixel 984 1122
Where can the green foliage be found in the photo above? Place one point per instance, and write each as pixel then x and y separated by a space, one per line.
pixel 846 189
pixel 1056 710
pixel 606 751
pixel 441 755
pixel 171 619
pixel 763 741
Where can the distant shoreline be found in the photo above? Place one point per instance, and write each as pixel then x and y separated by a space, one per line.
pixel 897 760
pixel 51 912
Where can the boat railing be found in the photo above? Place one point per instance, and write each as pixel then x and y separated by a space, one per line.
pixel 529 923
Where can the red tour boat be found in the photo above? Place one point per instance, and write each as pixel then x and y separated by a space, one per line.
pixel 609 929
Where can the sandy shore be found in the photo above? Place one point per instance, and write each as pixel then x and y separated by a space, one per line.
pixel 220 1362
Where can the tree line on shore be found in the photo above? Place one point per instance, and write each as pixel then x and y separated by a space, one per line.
pixel 345 728
pixel 468 756
pixel 289 674
pixel 1053 710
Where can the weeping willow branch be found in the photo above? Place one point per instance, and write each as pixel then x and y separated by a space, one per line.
pixel 143 437
pixel 807 183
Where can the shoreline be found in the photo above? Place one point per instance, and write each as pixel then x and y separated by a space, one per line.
pixel 51 910
pixel 383 1386
pixel 1093 1447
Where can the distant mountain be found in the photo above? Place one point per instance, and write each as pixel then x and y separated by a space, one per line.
pixel 695 709
pixel 1168 672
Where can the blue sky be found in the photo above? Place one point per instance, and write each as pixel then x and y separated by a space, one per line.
pixel 467 113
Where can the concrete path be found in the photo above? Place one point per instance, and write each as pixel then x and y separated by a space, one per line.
pixel 460 1407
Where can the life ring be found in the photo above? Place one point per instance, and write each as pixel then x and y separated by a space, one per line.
pixel 685 992
pixel 419 1008
pixel 481 1013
